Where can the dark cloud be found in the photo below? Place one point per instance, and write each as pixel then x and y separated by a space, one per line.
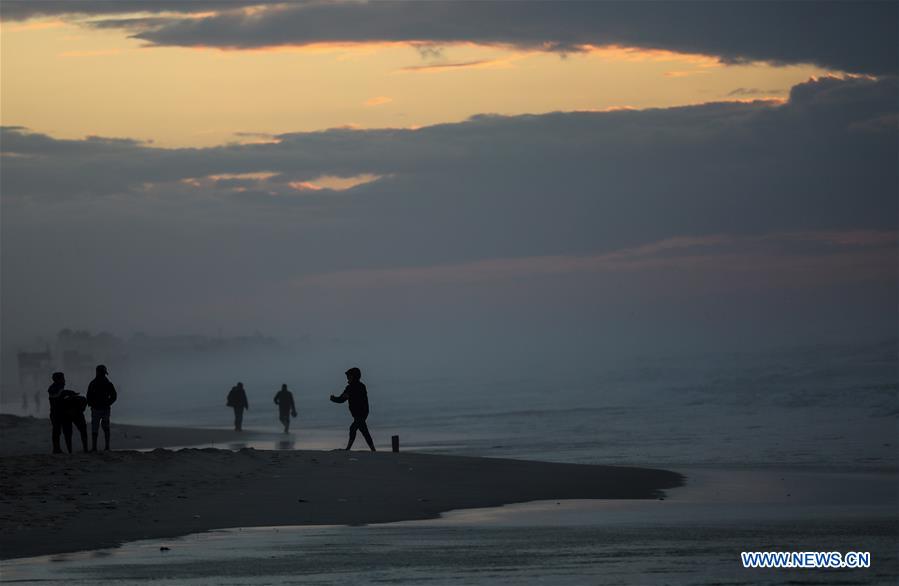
pixel 140 235
pixel 579 153
pixel 25 9
pixel 429 51
pixel 846 36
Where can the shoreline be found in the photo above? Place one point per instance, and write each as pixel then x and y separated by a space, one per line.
pixel 62 503
pixel 29 435
pixel 59 504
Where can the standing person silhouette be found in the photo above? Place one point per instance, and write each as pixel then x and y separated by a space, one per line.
pixel 237 400
pixel 357 395
pixel 286 407
pixel 101 394
pixel 56 415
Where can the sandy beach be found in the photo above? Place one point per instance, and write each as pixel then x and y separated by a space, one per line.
pixel 62 503
pixel 31 435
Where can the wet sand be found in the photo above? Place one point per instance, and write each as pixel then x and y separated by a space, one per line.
pixel 693 536
pixel 31 435
pixel 64 503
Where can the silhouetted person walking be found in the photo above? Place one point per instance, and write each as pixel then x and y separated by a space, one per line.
pixel 53 392
pixel 101 394
pixel 237 400
pixel 72 406
pixel 286 407
pixel 357 395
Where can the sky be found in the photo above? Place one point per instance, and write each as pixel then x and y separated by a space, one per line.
pixel 452 181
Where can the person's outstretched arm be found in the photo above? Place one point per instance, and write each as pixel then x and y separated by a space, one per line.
pixel 342 398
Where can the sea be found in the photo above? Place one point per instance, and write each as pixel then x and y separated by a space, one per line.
pixel 825 406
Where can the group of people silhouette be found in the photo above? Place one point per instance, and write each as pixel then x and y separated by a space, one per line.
pixel 237 400
pixel 67 409
pixel 355 394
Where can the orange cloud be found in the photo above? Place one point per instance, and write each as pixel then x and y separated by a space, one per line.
pixel 773 100
pixel 683 73
pixel 334 183
pixel 608 109
pixel 378 101
pixel 305 186
pixel 357 48
pixel 36 26
pixel 623 53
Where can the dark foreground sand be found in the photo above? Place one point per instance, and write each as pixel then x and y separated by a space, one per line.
pixel 59 503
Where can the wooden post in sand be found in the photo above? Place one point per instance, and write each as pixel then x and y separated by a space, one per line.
pixel 395 442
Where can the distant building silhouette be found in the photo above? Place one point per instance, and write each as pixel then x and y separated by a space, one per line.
pixel 33 367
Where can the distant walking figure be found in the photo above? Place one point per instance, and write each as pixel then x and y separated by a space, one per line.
pixel 237 400
pixel 72 406
pixel 286 407
pixel 101 394
pixel 54 390
pixel 356 393
pixel 37 402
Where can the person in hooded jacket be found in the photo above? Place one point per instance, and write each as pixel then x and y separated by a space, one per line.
pixel 101 394
pixel 357 395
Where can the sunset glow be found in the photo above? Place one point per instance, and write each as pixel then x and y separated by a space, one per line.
pixel 71 80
